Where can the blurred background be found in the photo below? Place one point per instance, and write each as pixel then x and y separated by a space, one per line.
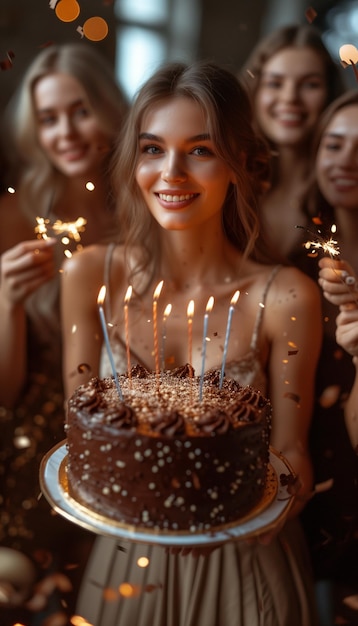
pixel 144 33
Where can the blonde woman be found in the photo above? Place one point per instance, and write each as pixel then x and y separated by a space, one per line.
pixel 60 129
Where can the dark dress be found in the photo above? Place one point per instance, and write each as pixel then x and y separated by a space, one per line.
pixel 28 432
pixel 330 519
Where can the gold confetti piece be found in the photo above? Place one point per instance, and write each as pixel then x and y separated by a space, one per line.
pixel 84 367
pixel 7 64
pixel 329 396
pixel 292 396
pixel 324 486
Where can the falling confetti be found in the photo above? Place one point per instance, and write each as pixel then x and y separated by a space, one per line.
pixel 292 348
pixel 292 396
pixel 310 14
pixel 7 64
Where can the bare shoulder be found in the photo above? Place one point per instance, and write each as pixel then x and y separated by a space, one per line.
pixel 86 262
pixel 290 282
pixel 85 270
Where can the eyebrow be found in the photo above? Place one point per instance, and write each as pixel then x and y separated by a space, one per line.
pixel 71 105
pixel 336 134
pixel 279 74
pixel 152 137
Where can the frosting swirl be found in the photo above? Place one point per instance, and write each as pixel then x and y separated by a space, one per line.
pixel 122 416
pixel 184 371
pixel 88 399
pixel 168 424
pixel 216 421
pixel 138 371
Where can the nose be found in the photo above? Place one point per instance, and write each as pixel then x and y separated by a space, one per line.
pixel 65 125
pixel 290 91
pixel 349 156
pixel 173 168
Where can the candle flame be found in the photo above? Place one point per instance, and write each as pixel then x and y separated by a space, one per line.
pixel 167 311
pixel 190 309
pixel 157 290
pixel 210 304
pixel 101 295
pixel 235 298
pixel 128 295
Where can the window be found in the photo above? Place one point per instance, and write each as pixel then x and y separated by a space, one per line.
pixel 150 32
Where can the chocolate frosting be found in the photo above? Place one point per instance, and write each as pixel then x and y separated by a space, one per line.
pixel 214 422
pixel 168 424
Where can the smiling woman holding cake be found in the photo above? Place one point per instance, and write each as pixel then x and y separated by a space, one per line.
pixel 189 170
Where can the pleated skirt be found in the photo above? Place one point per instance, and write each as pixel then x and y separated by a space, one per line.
pixel 237 584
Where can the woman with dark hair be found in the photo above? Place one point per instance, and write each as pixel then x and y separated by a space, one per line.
pixel 331 517
pixel 189 171
pixel 291 78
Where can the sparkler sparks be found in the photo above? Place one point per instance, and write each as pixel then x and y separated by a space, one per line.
pixel 329 246
pixel 66 230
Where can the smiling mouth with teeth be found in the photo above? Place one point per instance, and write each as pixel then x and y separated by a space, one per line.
pixel 176 198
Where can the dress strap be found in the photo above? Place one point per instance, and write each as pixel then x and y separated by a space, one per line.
pixel 106 275
pixel 259 316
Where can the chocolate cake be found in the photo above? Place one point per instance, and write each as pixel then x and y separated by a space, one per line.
pixel 163 459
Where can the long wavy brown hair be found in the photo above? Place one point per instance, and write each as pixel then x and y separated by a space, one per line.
pixel 229 119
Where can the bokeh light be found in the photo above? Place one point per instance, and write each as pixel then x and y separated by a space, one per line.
pixel 95 28
pixel 67 10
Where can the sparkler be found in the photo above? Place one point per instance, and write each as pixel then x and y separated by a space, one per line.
pixel 66 230
pixel 329 246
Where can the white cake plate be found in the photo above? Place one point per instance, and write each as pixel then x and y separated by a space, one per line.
pixel 264 517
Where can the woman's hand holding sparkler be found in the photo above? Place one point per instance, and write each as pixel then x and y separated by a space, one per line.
pixel 340 286
pixel 339 282
pixel 25 268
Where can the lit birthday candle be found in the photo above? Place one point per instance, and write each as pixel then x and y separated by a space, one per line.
pixel 167 312
pixel 127 298
pixel 208 309
pixel 234 300
pixel 190 315
pixel 156 295
pixel 100 301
